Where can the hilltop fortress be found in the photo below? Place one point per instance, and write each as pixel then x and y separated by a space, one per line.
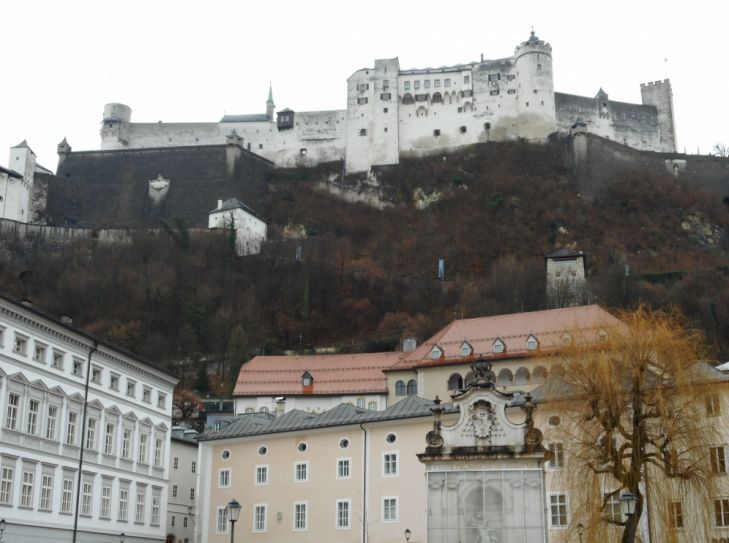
pixel 391 112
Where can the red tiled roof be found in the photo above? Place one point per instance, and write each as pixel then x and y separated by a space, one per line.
pixel 548 327
pixel 332 374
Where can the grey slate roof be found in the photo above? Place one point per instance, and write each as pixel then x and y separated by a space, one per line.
pixel 250 118
pixel 11 173
pixel 564 252
pixel 341 415
pixel 234 203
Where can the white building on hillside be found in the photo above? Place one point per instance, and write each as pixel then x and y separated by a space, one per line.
pixel 250 229
pixel 64 394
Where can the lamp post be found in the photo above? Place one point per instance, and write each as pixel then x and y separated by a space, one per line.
pixel 407 534
pixel 122 537
pixel 580 530
pixel 628 502
pixel 233 508
pixel 2 529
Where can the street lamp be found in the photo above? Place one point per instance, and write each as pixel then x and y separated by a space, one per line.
pixel 2 529
pixel 122 537
pixel 580 530
pixel 233 508
pixel 407 534
pixel 627 504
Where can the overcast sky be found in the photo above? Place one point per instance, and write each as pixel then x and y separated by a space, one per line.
pixel 194 61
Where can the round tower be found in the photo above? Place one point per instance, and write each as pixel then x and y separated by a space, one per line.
pixel 533 60
pixel 112 126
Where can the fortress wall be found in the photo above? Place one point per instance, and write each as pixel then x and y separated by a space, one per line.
pixel 142 135
pixel 630 124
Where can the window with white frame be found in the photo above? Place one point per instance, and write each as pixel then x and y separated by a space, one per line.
pixel 532 343
pixel 6 485
pixel 51 422
pixel 259 517
pixel 126 451
pixel 446 82
pixel 174 491
pixel 96 375
pixel 57 360
pixel 372 406
pixel 161 400
pixel 558 510
pixel 78 367
pixel 301 516
pixel 123 504
pixel 154 521
pixel 46 498
pixel 147 395
pixel 32 423
pixel 91 433
pixel 221 526
pixel 466 349
pixel 717 456
pixel 713 405
pixel 20 345
pixel 131 388
pixel 262 475
pixel 157 452
pixel 557 459
pixel 436 352
pixel 71 428
pixel 343 468
pixel 26 489
pixel 389 464
pixel 105 501
pixel 109 439
pixel 611 509
pixel 498 346
pixel 114 381
pixel 224 478
pixel 139 511
pixel 675 511
pixel 86 495
pixel 390 511
pixel 39 352
pixel 721 512
pixel 192 493
pixel 67 495
pixel 11 415
pixel 344 514
pixel 143 441
pixel 193 467
pixel 301 472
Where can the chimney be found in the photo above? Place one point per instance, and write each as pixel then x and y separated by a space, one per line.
pixel 220 204
pixel 409 344
pixel 280 405
pixel 26 302
pixel 65 319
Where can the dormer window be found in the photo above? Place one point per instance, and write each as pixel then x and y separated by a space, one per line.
pixel 466 349
pixel 532 343
pixel 307 380
pixel 499 346
pixel 566 340
pixel 436 352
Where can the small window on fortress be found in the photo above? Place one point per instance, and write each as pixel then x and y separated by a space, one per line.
pixel 527 104
pixel 496 77
pixel 446 82
pixel 385 129
pixel 436 83
pixel 460 110
pixel 436 132
pixel 534 91
pixel 362 131
pixel 427 83
pixel 494 92
pixel 302 151
pixel 384 110
pixel 539 66
pixel 511 91
pixel 463 129
pixel 385 96
pixel 260 146
pixel 466 79
pixel 510 77
pixel 487 126
pixel 407 85
pixel 361 101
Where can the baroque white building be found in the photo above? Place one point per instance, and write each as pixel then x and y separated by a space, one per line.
pixel 184 476
pixel 393 111
pixel 64 394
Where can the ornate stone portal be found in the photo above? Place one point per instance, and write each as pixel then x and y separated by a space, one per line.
pixel 485 473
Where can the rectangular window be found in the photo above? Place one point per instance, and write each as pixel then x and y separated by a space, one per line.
pixel 675 510
pixel 147 395
pixel 224 478
pixel 109 439
pixel 157 452
pixel 558 510
pixel 713 407
pixel 127 443
pixel 557 460
pixel 172 521
pixel 26 490
pixel 131 388
pixel 78 367
pixel 494 77
pixel 718 459
pixel 417 85
pixel 161 400
pixel 261 475
pixel 91 434
pixel 86 490
pixel 721 512
pixel 259 518
pixel 426 83
pixel 176 462
pixel 389 510
pixel 20 346
pixel 494 92
pixel 362 101
pixel 194 466
pixel 2 336
pixel 389 464
pixel 184 525
pixel 71 428
pixel 114 381
pixel 385 96
pixel 6 485
pixel 436 83
pixel 301 517
pixel 39 353
pixel 51 422
pixel 301 472
pixel 612 509
pixel 343 468
pixel 142 457
pixel 96 375
pixel 363 87
pixel 105 502
pixel 174 491
pixel 11 415
pixel 192 493
pixel 466 93
pixel 155 510
pixel 46 498
pixel 33 407
pixel 446 82
pixel 222 524
pixel 139 511
pixel 57 360
pixel 466 79
pixel 407 85
pixel 344 520
pixel 67 496
pixel 123 504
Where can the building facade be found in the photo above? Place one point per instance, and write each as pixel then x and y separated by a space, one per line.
pixel 392 111
pixel 85 434
pixel 250 229
pixel 184 475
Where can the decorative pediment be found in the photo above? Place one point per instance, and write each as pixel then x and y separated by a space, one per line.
pixel 113 410
pixel 58 391
pixel 131 416
pixel 146 421
pixel 76 397
pixel 39 385
pixel 162 427
pixel 96 404
pixel 19 378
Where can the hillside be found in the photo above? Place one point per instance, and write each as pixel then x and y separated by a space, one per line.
pixel 366 276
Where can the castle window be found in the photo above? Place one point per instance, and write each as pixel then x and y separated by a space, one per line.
pixel 468 93
pixel 463 130
pixel 446 83
pixel 466 349
pixel 407 85
pixel 535 91
pixel 400 389
pixel 496 77
pixel 466 79
pixel 487 126
pixel 407 98
pixel 363 87
pixel 436 352
pixel 460 110
pixel 302 151
pixel 436 83
pixel 260 146
pixel 362 131
pixel 385 96
pixel 437 98
pixel 385 85
pixel 494 92
pixel 436 132
pixel 385 129
pixel 539 66
pixel 531 343
pixel 307 379
pixel 426 83
pixel 361 101
pixel 417 85
pixel 527 104
pixel 510 77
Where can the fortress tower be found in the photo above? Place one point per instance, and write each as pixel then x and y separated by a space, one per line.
pixel 270 106
pixel 533 60
pixel 660 95
pixel 113 129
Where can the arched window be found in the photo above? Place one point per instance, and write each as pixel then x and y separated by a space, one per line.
pixel 539 375
pixel 437 98
pixel 469 379
pixel 360 402
pixel 521 377
pixel 421 112
pixel 400 388
pixel 412 388
pixel 372 406
pixel 455 382
pixel 505 377
pixel 407 98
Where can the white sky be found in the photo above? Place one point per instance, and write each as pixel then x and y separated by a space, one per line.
pixel 196 60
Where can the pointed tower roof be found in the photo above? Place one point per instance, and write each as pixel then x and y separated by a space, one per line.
pixel 22 145
pixel 270 92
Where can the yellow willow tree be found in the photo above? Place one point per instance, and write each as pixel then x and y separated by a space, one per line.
pixel 633 408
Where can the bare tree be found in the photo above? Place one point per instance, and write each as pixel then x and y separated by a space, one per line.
pixel 634 420
pixel 720 149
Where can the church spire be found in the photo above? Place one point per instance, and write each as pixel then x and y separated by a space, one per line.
pixel 269 102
